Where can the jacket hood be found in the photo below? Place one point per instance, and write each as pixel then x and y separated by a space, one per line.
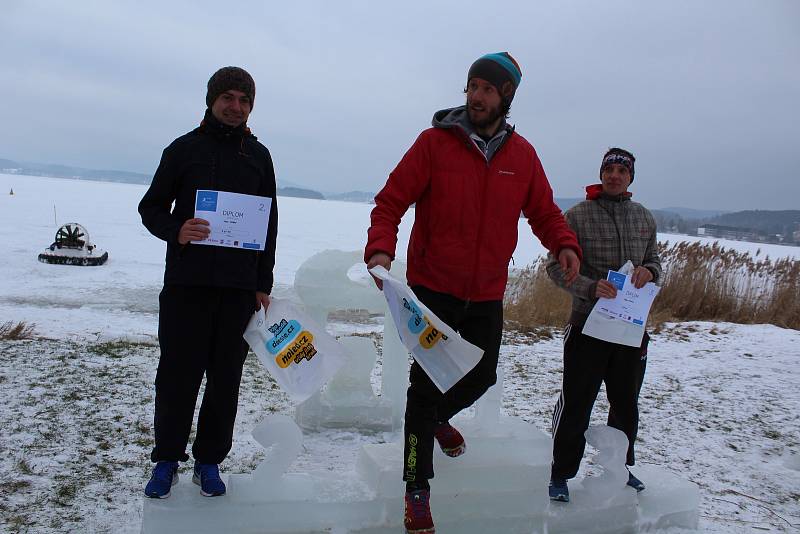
pixel 595 191
pixel 459 118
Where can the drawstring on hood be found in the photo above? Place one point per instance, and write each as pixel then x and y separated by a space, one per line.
pixel 211 125
pixel 457 119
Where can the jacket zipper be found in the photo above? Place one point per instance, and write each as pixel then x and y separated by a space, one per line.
pixel 486 175
pixel 471 286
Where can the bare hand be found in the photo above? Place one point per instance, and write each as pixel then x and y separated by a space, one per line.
pixel 570 265
pixel 605 290
pixel 641 275
pixel 262 299
pixel 193 230
pixel 382 259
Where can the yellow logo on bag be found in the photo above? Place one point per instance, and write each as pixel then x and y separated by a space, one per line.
pixel 431 336
pixel 302 348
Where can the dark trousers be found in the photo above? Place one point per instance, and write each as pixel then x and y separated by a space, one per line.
pixel 480 323
pixel 588 362
pixel 200 333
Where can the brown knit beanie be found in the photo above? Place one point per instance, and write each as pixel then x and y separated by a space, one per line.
pixel 228 78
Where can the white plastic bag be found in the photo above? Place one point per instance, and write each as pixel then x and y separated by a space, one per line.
pixel 438 349
pixel 297 352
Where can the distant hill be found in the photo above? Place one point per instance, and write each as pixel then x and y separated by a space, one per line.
pixel 352 196
pixel 50 170
pixel 689 213
pixel 8 166
pixel 760 225
pixel 771 222
pixel 299 192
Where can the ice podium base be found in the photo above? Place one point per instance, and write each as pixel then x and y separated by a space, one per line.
pixel 498 486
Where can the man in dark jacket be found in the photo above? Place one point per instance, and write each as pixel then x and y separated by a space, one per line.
pixel 611 230
pixel 210 292
pixel 470 176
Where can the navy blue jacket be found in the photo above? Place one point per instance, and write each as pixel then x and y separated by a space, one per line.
pixel 217 157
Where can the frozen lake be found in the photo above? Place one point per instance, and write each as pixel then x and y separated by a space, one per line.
pixel 120 298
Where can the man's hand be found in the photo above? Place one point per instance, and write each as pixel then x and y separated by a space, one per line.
pixel 262 299
pixel 382 259
pixel 570 265
pixel 641 275
pixel 605 290
pixel 193 230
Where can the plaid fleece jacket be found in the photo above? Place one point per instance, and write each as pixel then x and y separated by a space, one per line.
pixel 610 230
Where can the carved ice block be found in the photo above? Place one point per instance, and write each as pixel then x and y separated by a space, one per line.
pixel 348 400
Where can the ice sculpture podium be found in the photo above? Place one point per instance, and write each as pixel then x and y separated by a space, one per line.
pixel 499 485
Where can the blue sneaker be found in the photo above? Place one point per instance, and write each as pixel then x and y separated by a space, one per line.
pixel 558 490
pixel 207 477
pixel 165 475
pixel 635 483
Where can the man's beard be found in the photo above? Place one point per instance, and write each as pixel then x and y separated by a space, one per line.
pixel 492 114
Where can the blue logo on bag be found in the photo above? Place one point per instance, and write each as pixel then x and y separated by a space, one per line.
pixel 206 201
pixel 284 332
pixel 417 322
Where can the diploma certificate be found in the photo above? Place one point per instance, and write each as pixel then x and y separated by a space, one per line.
pixel 631 305
pixel 236 220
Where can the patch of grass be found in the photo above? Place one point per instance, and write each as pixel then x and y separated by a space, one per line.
pixel 24 467
pixel 145 442
pixel 105 471
pixel 20 330
pixel 142 427
pixel 65 492
pixel 113 349
pixel 13 486
pixel 72 396
pixel 18 522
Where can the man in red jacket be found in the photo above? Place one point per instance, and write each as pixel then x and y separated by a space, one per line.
pixel 470 176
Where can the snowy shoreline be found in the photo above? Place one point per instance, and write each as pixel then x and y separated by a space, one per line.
pixel 77 423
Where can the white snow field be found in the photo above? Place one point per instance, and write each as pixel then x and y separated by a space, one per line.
pixel 719 406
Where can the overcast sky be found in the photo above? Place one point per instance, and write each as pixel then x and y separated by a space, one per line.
pixel 705 94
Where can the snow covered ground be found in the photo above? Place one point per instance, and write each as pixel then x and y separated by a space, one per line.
pixel 720 405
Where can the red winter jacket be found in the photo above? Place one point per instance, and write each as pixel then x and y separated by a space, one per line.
pixel 467 211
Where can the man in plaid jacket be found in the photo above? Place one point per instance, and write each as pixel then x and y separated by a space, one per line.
pixel 611 230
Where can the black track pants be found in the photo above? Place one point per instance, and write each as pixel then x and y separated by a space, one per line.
pixel 588 362
pixel 480 323
pixel 200 333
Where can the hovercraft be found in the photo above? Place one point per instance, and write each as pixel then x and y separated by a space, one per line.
pixel 73 247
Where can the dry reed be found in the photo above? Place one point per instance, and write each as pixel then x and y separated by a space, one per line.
pixel 21 330
pixel 700 283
